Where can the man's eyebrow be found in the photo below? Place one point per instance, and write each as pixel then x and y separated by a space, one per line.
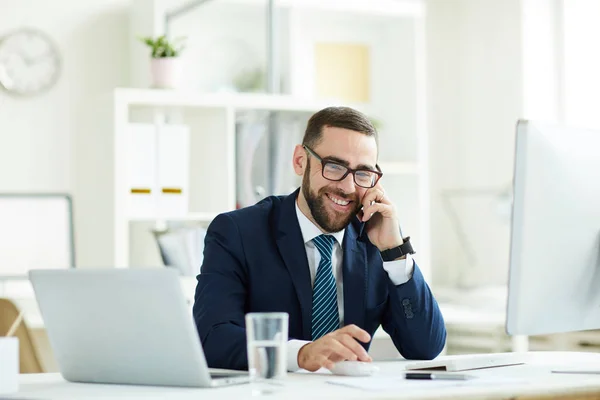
pixel 347 164
pixel 338 160
pixel 365 166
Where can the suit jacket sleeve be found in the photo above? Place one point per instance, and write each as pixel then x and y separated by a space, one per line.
pixel 413 319
pixel 221 292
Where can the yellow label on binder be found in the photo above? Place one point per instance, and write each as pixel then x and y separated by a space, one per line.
pixel 172 190
pixel 141 190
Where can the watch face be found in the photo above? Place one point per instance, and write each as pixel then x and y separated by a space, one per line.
pixel 29 62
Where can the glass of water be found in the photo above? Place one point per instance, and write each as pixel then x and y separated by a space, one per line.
pixel 266 339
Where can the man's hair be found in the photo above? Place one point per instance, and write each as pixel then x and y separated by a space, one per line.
pixel 337 117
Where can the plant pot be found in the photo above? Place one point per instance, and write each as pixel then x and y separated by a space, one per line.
pixel 166 72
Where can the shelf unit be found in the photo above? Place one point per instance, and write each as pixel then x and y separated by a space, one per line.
pixel 164 98
pixel 198 217
pixel 212 158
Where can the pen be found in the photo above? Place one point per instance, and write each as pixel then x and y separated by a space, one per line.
pixel 433 376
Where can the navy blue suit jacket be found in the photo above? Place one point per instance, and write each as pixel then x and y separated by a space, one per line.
pixel 255 260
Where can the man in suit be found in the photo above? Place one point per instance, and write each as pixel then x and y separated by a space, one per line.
pixel 331 255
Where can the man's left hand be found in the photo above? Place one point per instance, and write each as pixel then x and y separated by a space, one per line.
pixel 382 227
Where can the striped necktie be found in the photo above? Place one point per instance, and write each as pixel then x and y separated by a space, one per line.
pixel 325 316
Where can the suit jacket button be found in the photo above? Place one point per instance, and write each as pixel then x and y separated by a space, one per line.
pixel 409 314
pixel 406 302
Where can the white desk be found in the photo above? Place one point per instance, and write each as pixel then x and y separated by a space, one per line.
pixel 534 381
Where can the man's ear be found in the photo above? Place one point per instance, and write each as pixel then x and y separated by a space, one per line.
pixel 299 160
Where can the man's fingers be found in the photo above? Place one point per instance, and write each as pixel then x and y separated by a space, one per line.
pixel 324 361
pixel 340 349
pixel 381 198
pixel 335 347
pixel 336 358
pixel 383 209
pixel 350 343
pixel 374 195
pixel 356 333
pixel 347 336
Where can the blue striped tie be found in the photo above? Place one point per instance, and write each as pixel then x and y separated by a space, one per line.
pixel 325 316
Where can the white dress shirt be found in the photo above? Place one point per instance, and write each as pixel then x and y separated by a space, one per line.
pixel 399 271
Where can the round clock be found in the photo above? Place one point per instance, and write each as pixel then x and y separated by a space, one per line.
pixel 29 62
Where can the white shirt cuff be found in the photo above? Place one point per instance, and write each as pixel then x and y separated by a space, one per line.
pixel 293 348
pixel 400 271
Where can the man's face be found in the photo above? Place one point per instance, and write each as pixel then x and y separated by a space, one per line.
pixel 334 204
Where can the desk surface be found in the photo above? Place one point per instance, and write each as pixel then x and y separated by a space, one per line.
pixel 531 380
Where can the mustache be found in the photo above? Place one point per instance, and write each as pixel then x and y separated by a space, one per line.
pixel 339 193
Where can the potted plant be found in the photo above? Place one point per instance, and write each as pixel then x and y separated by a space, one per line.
pixel 165 64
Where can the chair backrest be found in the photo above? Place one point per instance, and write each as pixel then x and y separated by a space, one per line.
pixel 28 356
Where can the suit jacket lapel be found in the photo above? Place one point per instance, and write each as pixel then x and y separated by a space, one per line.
pixel 291 247
pixel 354 270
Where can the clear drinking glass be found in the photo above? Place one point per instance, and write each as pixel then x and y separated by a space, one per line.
pixel 266 339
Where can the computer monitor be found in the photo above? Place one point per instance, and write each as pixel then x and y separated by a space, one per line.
pixel 554 278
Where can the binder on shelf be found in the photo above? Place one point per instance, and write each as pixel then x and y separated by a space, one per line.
pixel 141 169
pixel 173 171
pixel 182 248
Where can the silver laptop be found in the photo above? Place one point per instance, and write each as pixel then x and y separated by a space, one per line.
pixel 124 326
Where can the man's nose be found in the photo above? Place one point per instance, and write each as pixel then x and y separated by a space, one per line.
pixel 347 184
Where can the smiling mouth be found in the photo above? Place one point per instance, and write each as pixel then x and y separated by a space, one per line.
pixel 338 201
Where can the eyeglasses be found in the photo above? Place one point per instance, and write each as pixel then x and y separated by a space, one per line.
pixel 334 171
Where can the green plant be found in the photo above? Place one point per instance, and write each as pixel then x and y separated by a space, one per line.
pixel 162 47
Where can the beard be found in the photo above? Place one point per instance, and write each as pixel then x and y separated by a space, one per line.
pixel 332 220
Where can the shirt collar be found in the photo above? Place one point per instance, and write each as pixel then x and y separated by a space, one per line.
pixel 311 231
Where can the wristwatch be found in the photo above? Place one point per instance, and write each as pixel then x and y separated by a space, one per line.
pixel 396 252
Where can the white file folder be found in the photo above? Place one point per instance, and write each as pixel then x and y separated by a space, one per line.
pixel 141 170
pixel 173 171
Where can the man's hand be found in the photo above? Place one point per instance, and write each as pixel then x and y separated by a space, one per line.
pixel 383 228
pixel 335 346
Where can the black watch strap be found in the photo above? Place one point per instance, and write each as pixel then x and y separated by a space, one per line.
pixel 396 252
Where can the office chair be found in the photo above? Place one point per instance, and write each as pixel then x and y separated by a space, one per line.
pixel 28 358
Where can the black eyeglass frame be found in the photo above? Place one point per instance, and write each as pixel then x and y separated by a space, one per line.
pixel 325 161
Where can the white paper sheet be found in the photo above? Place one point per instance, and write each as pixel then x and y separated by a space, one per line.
pixel 387 383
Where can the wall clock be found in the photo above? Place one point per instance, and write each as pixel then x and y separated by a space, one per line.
pixel 29 62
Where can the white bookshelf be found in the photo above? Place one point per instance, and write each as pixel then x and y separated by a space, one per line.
pixel 164 98
pixel 193 217
pixel 211 163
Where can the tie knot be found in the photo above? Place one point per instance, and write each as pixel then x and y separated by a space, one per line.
pixel 324 244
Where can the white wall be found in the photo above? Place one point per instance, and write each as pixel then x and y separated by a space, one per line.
pixel 543 60
pixel 582 63
pixel 474 100
pixel 42 139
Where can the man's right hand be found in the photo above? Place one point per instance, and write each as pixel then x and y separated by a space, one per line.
pixel 335 346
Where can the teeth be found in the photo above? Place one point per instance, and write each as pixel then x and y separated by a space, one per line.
pixel 338 201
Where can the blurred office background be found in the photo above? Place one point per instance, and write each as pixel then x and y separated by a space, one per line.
pixel 101 169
